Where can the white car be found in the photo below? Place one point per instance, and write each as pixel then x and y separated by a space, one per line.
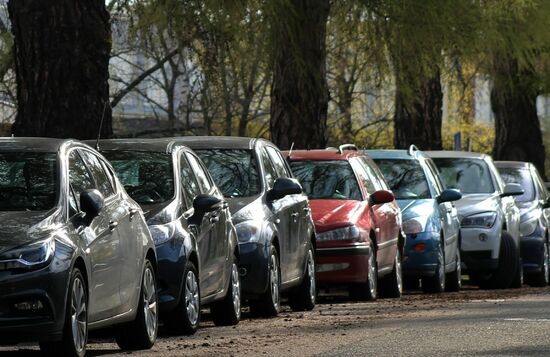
pixel 489 218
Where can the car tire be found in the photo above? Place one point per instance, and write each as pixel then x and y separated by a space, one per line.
pixel 436 284
pixel 507 264
pixel 369 290
pixel 303 297
pixel 141 333
pixel 227 312
pixel 541 278
pixel 454 278
pixel 392 286
pixel 269 304
pixel 186 317
pixel 75 330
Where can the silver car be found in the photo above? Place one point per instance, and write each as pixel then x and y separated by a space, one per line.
pixel 488 215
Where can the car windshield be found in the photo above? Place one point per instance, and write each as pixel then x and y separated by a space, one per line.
pixel 406 178
pixel 27 181
pixel 521 177
pixel 327 179
pixel 234 171
pixel 468 175
pixel 148 177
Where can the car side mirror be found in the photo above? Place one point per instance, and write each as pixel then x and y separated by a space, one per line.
pixel 282 187
pixel 512 189
pixel 380 197
pixel 449 195
pixel 91 203
pixel 206 203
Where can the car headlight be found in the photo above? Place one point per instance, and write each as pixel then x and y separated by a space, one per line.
pixel 32 256
pixel 482 220
pixel 346 233
pixel 162 233
pixel 249 231
pixel 415 225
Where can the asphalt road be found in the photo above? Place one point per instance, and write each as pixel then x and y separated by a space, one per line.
pixel 469 323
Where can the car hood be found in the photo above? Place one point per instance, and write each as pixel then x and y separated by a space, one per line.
pixel 247 209
pixel 478 202
pixel 161 213
pixel 332 214
pixel 416 208
pixel 20 228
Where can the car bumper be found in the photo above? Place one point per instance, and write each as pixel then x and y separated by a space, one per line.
pixel 48 286
pixel 253 268
pixel 342 264
pixel 480 248
pixel 420 256
pixel 171 260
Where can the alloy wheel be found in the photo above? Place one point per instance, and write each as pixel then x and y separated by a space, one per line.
pixel 311 276
pixel 192 297
pixel 79 315
pixel 372 275
pixel 236 290
pixel 545 264
pixel 275 282
pixel 150 303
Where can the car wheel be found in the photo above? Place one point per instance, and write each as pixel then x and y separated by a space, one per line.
pixel 369 290
pixel 227 312
pixel 542 278
pixel 304 296
pixel 186 317
pixel 507 264
pixel 392 286
pixel 141 333
pixel 75 331
pixel 454 278
pixel 436 283
pixel 270 303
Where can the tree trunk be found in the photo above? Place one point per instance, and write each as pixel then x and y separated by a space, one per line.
pixel 61 56
pixel 299 93
pixel 418 112
pixel 518 135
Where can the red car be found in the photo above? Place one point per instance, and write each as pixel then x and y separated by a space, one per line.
pixel 358 222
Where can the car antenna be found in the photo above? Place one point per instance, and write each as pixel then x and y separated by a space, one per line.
pixel 101 124
pixel 290 151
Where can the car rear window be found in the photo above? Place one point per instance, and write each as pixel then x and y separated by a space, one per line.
pixel 333 179
pixel 521 177
pixel 235 171
pixel 468 175
pixel 405 177
pixel 28 181
pixel 148 177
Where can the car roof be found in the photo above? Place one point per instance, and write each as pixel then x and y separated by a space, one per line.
pixel 513 164
pixel 394 154
pixel 150 145
pixel 220 142
pixel 456 154
pixel 34 144
pixel 323 154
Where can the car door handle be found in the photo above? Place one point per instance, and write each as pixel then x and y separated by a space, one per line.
pixel 113 225
pixel 294 215
pixel 214 219
pixel 225 205
pixel 133 212
pixel 306 210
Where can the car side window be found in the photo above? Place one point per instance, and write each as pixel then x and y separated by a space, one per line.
pixel 375 176
pixel 73 203
pixel 189 183
pixel 80 177
pixel 202 176
pixel 278 162
pixel 363 176
pixel 98 173
pixel 110 174
pixel 433 177
pixel 540 185
pixel 270 173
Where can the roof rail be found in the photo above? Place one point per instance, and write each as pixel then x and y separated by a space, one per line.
pixel 413 149
pixel 343 147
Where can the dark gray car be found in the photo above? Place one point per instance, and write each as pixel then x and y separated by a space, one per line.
pixel 190 222
pixel 272 217
pixel 75 251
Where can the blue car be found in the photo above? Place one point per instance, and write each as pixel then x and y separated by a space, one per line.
pixel 430 220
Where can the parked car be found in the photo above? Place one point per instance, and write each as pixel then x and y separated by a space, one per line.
pixel 534 207
pixel 430 219
pixel 75 252
pixel 358 222
pixel 489 218
pixel 190 222
pixel 275 231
